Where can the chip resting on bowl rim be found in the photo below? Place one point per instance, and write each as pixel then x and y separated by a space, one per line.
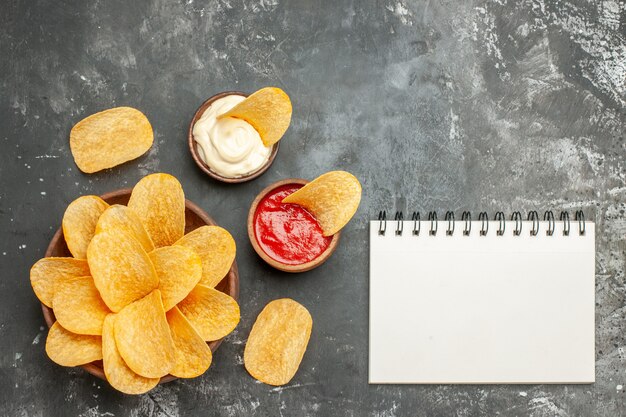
pixel 117 373
pixel 159 201
pixel 268 110
pixel 192 355
pixel 45 272
pixel 78 306
pixel 211 312
pixel 333 198
pixel 217 250
pixel 79 223
pixel 71 349
pixel 143 337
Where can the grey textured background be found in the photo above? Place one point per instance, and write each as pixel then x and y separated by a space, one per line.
pixel 433 105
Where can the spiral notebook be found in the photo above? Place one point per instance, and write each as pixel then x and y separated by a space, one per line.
pixel 487 301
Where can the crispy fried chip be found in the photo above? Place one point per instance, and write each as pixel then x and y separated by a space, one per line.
pixel 121 217
pixel 179 269
pixel 70 349
pixel 77 305
pixel 193 355
pixel 46 270
pixel 121 269
pixel 333 198
pixel 109 138
pixel 267 110
pixel 277 342
pixel 119 375
pixel 159 201
pixel 212 313
pixel 217 250
pixel 143 337
pixel 79 223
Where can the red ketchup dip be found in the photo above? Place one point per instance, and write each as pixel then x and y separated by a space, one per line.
pixel 287 232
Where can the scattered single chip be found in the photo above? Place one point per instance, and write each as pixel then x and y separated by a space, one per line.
pixel 277 342
pixel 77 305
pixel 109 138
pixel 217 250
pixel 71 349
pixel 212 313
pixel 46 270
pixel 79 223
pixel 119 375
pixel 159 201
pixel 121 217
pixel 193 355
pixel 267 110
pixel 179 269
pixel 121 268
pixel 143 337
pixel 332 198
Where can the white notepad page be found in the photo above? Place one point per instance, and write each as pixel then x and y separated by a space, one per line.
pixel 482 309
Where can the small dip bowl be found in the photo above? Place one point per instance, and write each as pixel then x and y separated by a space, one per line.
pixel 194 217
pixel 307 266
pixel 195 152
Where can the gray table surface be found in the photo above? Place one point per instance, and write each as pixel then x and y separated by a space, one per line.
pixel 433 105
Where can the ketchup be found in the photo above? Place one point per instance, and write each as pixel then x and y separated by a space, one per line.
pixel 288 233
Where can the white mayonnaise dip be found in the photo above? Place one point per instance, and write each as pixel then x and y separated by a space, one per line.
pixel 230 147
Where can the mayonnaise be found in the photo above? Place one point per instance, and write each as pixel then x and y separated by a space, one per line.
pixel 230 147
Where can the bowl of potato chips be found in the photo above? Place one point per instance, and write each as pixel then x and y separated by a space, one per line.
pixel 138 286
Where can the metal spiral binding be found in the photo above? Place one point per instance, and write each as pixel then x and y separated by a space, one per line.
pixel 417 223
pixel 483 217
pixel 399 223
pixel 564 217
pixel 450 219
pixel 534 217
pixel 580 217
pixel 484 223
pixel 434 224
pixel 467 218
pixel 502 223
pixel 517 217
pixel 549 216
pixel 382 218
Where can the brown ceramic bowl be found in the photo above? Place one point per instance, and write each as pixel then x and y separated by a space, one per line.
pixel 307 266
pixel 194 217
pixel 193 146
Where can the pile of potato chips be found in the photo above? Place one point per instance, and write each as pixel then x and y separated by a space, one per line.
pixel 138 293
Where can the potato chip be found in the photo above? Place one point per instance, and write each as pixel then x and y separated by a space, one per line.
pixel 333 198
pixel 179 269
pixel 119 375
pixel 159 201
pixel 77 305
pixel 121 269
pixel 193 355
pixel 143 337
pixel 217 250
pixel 212 313
pixel 79 223
pixel 121 217
pixel 267 110
pixel 46 270
pixel 109 138
pixel 277 342
pixel 70 349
